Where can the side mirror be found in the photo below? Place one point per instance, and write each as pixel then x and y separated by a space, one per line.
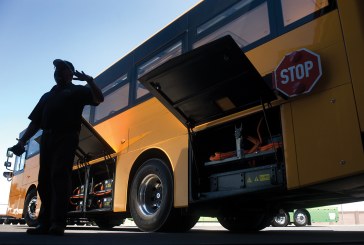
pixel 7 164
pixel 8 175
pixel 9 154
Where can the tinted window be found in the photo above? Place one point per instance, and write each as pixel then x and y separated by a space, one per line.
pixel 250 26
pixel 294 10
pixel 114 84
pixel 223 16
pixel 33 145
pixel 114 101
pixel 155 61
pixel 19 163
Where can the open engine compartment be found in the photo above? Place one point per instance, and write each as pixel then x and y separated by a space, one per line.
pixel 242 155
pixel 93 187
pixel 93 174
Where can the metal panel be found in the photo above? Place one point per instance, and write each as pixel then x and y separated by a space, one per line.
pixel 327 135
pixel 91 145
pixel 208 83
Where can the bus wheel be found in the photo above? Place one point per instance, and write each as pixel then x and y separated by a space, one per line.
pixel 30 206
pixel 245 223
pixel 108 223
pixel 281 219
pixel 300 217
pixel 151 195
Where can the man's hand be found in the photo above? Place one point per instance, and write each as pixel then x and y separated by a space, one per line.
pixel 18 149
pixel 97 95
pixel 81 76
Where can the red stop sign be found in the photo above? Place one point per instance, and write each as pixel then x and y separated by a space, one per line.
pixel 298 72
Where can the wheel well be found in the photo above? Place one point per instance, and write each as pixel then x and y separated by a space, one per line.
pixel 32 187
pixel 151 153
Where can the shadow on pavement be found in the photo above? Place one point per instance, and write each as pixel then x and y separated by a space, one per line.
pixel 133 236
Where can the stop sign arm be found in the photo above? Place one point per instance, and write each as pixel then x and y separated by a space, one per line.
pixel 297 73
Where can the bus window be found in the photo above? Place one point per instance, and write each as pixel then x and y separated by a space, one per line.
pixel 33 145
pixel 224 15
pixel 114 84
pixel 116 98
pixel 165 55
pixel 19 163
pixel 140 90
pixel 248 28
pixel 294 10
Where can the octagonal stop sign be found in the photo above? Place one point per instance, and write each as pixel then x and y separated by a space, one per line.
pixel 298 72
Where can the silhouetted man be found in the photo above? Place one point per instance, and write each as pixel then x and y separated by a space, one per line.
pixel 58 113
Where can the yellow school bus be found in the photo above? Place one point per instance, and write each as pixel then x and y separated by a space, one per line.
pixel 235 110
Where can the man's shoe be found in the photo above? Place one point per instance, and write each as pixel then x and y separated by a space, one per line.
pixel 56 230
pixel 39 230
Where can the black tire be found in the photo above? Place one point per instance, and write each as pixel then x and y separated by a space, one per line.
pixel 22 222
pixel 14 222
pixel 30 205
pixel 7 221
pixel 281 219
pixel 180 223
pixel 151 195
pixel 300 217
pixel 109 223
pixel 245 223
pixel 186 223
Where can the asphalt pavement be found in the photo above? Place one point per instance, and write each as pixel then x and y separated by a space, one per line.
pixel 202 233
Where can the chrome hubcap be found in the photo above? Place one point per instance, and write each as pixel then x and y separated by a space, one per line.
pixel 32 206
pixel 150 194
pixel 280 219
pixel 301 219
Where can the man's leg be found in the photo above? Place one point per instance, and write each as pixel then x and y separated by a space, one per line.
pixel 62 176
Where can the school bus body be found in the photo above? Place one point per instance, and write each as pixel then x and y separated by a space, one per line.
pixel 321 161
pixel 315 150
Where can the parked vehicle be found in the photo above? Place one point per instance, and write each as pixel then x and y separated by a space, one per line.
pixel 303 217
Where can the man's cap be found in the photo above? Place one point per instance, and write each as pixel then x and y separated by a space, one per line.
pixel 59 64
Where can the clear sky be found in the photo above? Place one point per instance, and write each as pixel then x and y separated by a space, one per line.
pixel 92 34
